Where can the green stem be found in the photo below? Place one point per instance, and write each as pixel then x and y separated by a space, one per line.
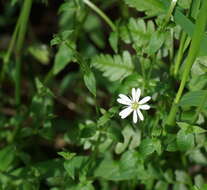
pixel 182 45
pixel 48 76
pixel 193 52
pixel 100 13
pixel 10 49
pixel 180 53
pixel 24 16
pixel 172 46
pixel 169 14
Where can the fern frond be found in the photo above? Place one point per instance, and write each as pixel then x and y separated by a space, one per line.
pixel 114 68
pixel 150 7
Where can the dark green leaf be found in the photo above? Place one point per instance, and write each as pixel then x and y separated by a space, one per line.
pixel 74 165
pixel 185 140
pixel 193 98
pixel 63 57
pixel 7 155
pixel 147 147
pixel 113 39
pixel 90 82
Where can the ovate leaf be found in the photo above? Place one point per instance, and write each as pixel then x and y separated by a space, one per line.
pixel 191 128
pixel 193 98
pixel 156 42
pixel 90 82
pixel 185 140
pixel 74 165
pixel 7 155
pixel 113 40
pixel 63 57
pixel 147 147
pixel 198 82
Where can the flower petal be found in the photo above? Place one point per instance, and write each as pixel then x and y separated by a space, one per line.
pixel 138 94
pixel 121 101
pixel 144 100
pixel 125 112
pixel 134 94
pixel 144 107
pixel 125 98
pixel 135 116
pixel 141 117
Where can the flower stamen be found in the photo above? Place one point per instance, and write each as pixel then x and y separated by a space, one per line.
pixel 135 105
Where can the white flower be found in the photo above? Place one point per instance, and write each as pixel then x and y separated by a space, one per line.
pixel 133 105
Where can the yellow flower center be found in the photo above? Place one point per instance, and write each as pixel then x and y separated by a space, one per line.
pixel 135 105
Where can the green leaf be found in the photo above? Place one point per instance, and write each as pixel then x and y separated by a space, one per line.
pixel 185 4
pixel 147 147
pixel 198 157
pixel 7 155
pixel 67 155
pixel 179 186
pixel 124 169
pixel 185 140
pixel 138 32
pixel 157 146
pixel 40 52
pixel 113 40
pixel 193 98
pixel 198 82
pixel 131 138
pixel 116 67
pixel 161 185
pixel 182 177
pixel 156 42
pixel 191 128
pixel 199 67
pixel 114 133
pixel 199 180
pixel 88 131
pixel 150 7
pixel 63 57
pixel 90 82
pixel 74 165
pixel 170 142
pixel 107 116
pixel 42 89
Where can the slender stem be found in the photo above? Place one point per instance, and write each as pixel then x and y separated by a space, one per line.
pixel 180 53
pixel 172 42
pixel 169 14
pixel 100 13
pixel 10 49
pixel 48 76
pixel 24 16
pixel 182 45
pixel 193 52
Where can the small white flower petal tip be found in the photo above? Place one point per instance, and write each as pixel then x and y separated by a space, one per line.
pixel 134 105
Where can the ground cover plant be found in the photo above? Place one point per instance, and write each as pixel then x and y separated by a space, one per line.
pixel 106 95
